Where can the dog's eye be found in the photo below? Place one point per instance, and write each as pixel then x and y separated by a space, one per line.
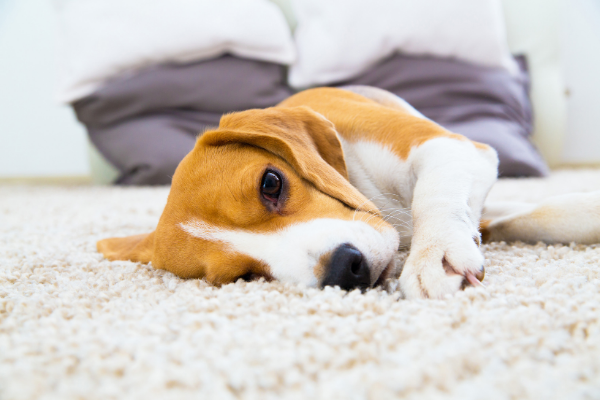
pixel 270 187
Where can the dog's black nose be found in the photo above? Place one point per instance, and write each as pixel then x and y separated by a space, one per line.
pixel 347 269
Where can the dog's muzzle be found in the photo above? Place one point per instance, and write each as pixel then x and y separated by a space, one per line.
pixel 347 269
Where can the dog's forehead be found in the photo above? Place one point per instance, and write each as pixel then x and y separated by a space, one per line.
pixel 220 185
pixel 211 170
pixel 205 161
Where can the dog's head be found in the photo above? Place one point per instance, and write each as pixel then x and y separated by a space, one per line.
pixel 266 194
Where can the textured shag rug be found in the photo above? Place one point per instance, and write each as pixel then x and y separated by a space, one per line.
pixel 75 326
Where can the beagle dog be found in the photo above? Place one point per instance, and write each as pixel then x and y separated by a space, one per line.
pixel 326 187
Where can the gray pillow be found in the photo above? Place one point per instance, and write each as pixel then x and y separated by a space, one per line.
pixel 145 123
pixel 485 104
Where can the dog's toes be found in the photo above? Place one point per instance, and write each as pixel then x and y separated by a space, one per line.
pixel 438 276
pixel 428 281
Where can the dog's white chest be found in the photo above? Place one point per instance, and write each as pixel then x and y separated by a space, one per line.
pixel 385 180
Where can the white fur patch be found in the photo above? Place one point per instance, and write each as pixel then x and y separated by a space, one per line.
pixel 442 185
pixel 293 252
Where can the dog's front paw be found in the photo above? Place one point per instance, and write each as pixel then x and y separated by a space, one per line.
pixel 437 270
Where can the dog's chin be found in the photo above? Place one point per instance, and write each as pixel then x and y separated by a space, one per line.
pixel 385 274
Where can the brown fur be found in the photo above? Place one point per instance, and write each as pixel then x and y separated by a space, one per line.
pixel 358 118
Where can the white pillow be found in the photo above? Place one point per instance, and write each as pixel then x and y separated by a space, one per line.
pixel 339 39
pixel 102 39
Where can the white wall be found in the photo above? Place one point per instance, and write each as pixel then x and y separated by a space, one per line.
pixel 38 137
pixel 533 30
pixel 580 54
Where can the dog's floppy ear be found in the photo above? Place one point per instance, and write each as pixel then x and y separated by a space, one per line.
pixel 301 128
pixel 303 138
pixel 138 248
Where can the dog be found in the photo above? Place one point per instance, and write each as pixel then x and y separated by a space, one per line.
pixel 326 187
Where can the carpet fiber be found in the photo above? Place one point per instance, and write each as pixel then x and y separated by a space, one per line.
pixel 75 326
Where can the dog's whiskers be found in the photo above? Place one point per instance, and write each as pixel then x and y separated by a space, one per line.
pixel 395 215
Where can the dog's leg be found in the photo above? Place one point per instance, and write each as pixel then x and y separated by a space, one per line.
pixel 453 178
pixel 568 218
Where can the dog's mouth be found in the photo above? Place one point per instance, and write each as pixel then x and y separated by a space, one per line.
pixel 251 277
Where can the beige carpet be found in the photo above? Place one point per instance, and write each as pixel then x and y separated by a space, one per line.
pixel 75 326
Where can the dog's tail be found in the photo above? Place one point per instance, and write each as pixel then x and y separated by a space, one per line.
pixel 562 219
